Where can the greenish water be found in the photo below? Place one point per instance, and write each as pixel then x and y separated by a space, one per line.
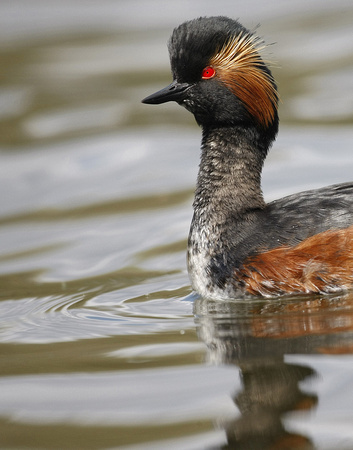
pixel 102 343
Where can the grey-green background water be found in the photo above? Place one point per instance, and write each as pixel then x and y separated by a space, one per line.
pixel 102 343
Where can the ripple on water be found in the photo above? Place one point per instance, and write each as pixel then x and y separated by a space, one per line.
pixel 87 315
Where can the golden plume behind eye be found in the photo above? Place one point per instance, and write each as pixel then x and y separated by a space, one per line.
pixel 239 66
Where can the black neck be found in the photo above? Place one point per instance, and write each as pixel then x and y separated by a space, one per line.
pixel 229 180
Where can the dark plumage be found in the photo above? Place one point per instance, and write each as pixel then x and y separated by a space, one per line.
pixel 238 244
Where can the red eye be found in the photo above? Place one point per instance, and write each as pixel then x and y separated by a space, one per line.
pixel 208 72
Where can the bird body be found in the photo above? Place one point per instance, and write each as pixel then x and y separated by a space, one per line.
pixel 239 245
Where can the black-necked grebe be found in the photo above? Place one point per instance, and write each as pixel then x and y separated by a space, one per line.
pixel 238 244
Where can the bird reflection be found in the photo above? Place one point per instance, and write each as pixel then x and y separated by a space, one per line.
pixel 257 337
pixel 269 390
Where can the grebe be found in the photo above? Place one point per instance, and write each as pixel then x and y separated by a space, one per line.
pixel 239 245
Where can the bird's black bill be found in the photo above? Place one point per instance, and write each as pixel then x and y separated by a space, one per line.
pixel 174 92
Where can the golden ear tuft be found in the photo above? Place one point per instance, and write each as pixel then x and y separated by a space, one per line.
pixel 240 67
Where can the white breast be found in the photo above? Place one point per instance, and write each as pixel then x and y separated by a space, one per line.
pixel 199 266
